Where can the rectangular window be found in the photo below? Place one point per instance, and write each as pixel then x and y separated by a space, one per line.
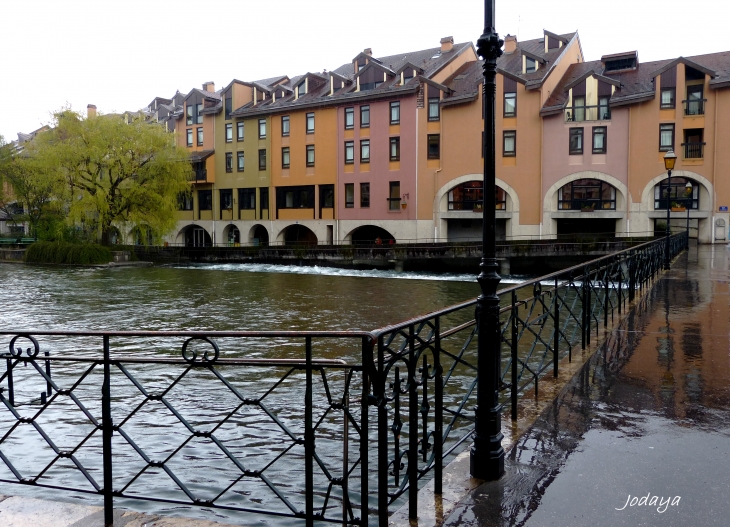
pixel 189 115
pixel 205 200
pixel 262 159
pixel 185 201
pixel 285 157
pixel 604 112
pixel 509 143
pixel 200 136
pixel 349 118
pixel 365 151
pixel 310 123
pixel 240 161
pixel 310 155
pixel 365 116
pixel 579 109
pixel 284 125
pixel 226 195
pixel 576 141
pixel 262 128
pixel 599 139
pixel 229 132
pixel 239 131
pixel 229 161
pixel 667 98
pixel 395 148
pixel 190 137
pixel 264 195
pixel 229 108
pixel 433 109
pixel 326 196
pixel 530 65
pixel 247 198
pixel 364 195
pixel 349 152
pixel 666 137
pixel 198 115
pixel 695 100
pixel 299 197
pixel 395 112
pixel 510 104
pixel 349 195
pixel 434 146
pixel 394 196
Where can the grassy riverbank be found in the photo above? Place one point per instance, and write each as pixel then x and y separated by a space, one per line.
pixel 67 253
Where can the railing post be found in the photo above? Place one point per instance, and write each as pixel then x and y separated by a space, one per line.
pixel 367 361
pixel 605 297
pixel 308 438
pixel 107 424
pixel 513 351
pixel 412 427
pixel 382 439
pixel 556 330
pixel 49 388
pixel 584 311
pixel 438 439
pixel 11 386
pixel 620 279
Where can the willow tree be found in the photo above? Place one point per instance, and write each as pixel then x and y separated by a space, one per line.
pixel 119 174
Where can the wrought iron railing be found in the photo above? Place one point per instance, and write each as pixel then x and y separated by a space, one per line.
pixel 694 106
pixel 694 150
pixel 339 429
pixel 587 113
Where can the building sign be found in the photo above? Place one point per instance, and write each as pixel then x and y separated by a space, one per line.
pixel 723 208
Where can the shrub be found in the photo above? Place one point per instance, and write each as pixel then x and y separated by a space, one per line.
pixel 67 253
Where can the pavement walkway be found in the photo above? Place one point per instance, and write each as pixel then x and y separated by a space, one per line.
pixel 641 435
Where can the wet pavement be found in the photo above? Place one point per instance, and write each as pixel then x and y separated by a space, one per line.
pixel 641 435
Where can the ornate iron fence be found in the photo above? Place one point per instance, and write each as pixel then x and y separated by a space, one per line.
pixel 338 430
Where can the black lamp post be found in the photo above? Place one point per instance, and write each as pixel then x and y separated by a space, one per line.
pixel 669 159
pixel 688 193
pixel 487 454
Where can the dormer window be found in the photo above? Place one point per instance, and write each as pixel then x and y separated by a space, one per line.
pixel 620 64
pixel 302 88
pixel 530 65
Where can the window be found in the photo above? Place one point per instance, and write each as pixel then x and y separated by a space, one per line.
pixel 579 109
pixel 693 143
pixel 262 159
pixel 229 161
pixel 695 100
pixel 676 192
pixel 247 198
pixel 229 108
pixel 185 201
pixel 198 115
pixel 509 143
pixel 300 197
pixel 239 131
pixel 310 123
pixel 587 194
pixel 349 195
pixel 264 195
pixel 530 65
pixel 576 141
pixel 226 199
pixel 395 112
pixel 365 151
pixel 349 118
pixel 666 137
pixel 189 115
pixel 302 88
pixel 364 195
pixel 434 146
pixel 240 161
pixel 604 112
pixel 510 104
pixel 433 108
pixel 285 157
pixel 349 152
pixel 668 96
pixel 470 196
pixel 200 136
pixel 326 196
pixel 394 196
pixel 599 139
pixel 365 116
pixel 205 200
pixel 310 155
pixel 262 128
pixel 284 125
pixel 229 132
pixel 395 148
pixel 190 137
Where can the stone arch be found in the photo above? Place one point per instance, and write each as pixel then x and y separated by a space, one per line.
pixel 297 234
pixel 231 235
pixel 441 200
pixel 258 235
pixel 550 200
pixel 369 234
pixel 194 235
pixel 647 195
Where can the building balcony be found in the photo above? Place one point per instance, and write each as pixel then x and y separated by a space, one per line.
pixel 201 176
pixel 694 107
pixel 693 150
pixel 587 113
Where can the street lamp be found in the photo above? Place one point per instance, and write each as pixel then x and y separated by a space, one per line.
pixel 688 201
pixel 487 454
pixel 669 159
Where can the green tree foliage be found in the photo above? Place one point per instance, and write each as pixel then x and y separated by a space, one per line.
pixel 117 175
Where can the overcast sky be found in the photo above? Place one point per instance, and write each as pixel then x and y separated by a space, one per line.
pixel 120 55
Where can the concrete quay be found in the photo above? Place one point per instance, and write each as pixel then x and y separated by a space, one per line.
pixel 639 436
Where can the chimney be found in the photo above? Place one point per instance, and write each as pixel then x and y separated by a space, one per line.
pixel 447 44
pixel 510 44
pixel 209 86
pixel 368 51
pixel 90 111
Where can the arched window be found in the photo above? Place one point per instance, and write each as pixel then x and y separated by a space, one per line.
pixel 677 192
pixel 587 194
pixel 470 195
